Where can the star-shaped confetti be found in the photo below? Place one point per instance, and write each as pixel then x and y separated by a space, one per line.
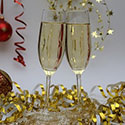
pixel 101 31
pixel 84 3
pixel 55 17
pixel 61 6
pixel 110 32
pixel 98 1
pixel 110 13
pixel 93 56
pixel 69 3
pixel 95 34
pixel 101 48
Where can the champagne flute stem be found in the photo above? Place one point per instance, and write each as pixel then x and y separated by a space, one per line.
pixel 48 83
pixel 78 78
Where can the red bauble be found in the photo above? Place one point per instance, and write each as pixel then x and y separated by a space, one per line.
pixel 5 30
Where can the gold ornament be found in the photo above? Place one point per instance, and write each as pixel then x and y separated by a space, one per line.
pixel 5 83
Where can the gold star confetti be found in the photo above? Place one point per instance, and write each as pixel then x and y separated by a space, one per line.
pixel 101 48
pixel 75 8
pixel 94 34
pixel 61 6
pixel 55 17
pixel 110 13
pixel 98 1
pixel 103 28
pixel 90 9
pixel 69 3
pixel 84 3
pixel 93 56
pixel 110 32
pixel 96 45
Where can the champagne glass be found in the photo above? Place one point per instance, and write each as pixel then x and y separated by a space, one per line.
pixel 78 43
pixel 51 44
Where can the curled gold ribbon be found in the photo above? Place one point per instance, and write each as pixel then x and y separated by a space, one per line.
pixel 15 104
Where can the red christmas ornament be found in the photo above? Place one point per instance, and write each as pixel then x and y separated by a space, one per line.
pixel 5 30
pixel 5 27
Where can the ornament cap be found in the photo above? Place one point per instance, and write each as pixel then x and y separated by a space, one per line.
pixel 1 17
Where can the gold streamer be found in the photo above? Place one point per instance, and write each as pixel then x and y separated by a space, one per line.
pixel 15 104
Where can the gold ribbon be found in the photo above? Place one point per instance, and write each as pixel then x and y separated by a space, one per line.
pixel 15 104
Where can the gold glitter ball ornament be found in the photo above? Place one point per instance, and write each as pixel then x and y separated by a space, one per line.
pixel 5 83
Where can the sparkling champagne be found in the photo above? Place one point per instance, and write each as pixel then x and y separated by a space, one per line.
pixel 51 46
pixel 78 46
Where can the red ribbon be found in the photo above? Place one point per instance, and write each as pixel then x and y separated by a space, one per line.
pixel 19 46
pixel 1 9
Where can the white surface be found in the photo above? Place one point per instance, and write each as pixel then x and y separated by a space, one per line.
pixel 108 67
